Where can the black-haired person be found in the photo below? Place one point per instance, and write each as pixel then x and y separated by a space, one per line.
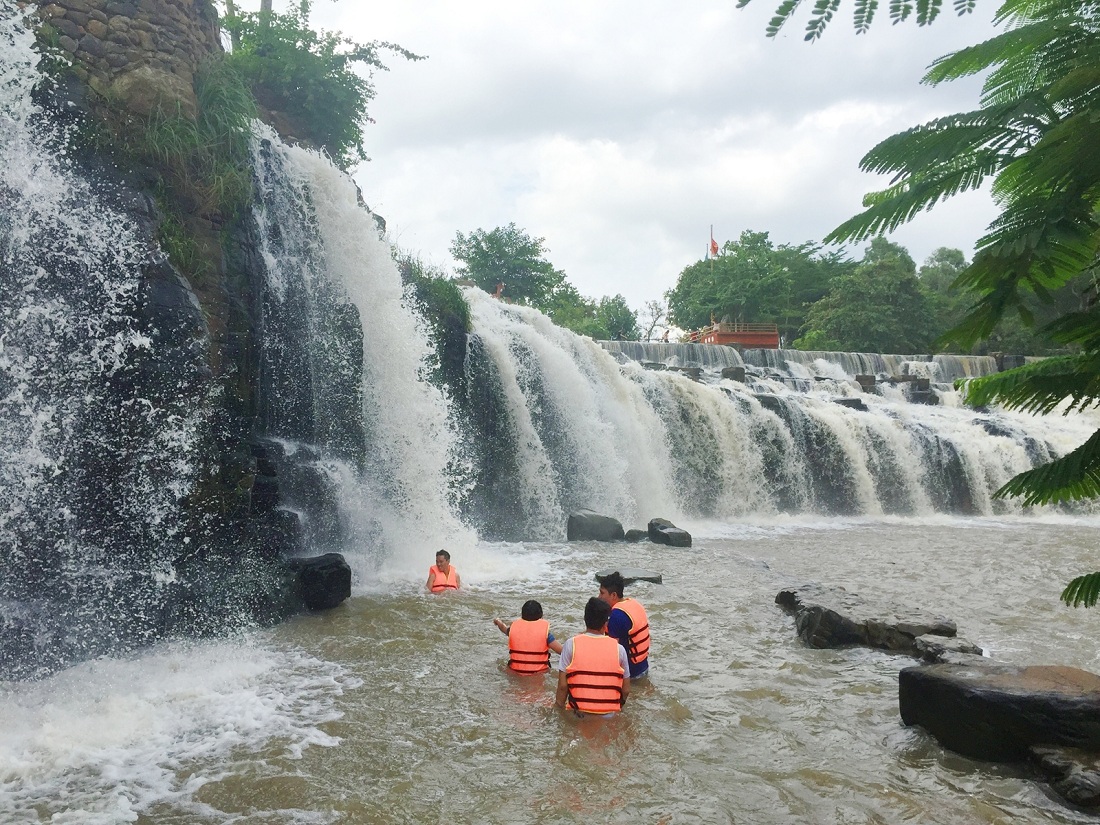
pixel 592 670
pixel 442 576
pixel 628 623
pixel 529 640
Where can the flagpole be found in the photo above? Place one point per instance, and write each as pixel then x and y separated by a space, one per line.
pixel 710 251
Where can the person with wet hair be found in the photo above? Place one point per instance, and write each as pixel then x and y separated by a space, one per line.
pixel 592 669
pixel 628 623
pixel 442 576
pixel 529 640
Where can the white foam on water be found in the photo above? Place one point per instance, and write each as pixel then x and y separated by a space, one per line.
pixel 107 739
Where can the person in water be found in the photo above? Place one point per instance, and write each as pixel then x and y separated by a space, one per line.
pixel 628 623
pixel 442 575
pixel 592 670
pixel 529 640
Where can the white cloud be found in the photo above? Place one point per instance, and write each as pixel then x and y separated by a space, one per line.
pixel 619 131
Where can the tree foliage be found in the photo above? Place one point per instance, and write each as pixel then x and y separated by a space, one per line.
pixel 307 79
pixel 923 11
pixel 754 281
pixel 878 307
pixel 509 257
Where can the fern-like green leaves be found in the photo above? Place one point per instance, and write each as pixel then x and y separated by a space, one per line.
pixel 1084 591
pixel 864 14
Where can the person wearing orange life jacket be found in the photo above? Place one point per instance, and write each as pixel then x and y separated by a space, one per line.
pixel 441 575
pixel 592 670
pixel 529 640
pixel 628 623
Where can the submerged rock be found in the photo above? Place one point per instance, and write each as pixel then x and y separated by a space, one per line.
pixel 1074 774
pixel 588 525
pixel 833 617
pixel 630 575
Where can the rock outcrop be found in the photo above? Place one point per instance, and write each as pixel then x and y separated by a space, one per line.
pixel 663 531
pixel 588 525
pixel 833 617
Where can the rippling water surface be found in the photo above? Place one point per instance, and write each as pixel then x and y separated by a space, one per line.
pixel 395 707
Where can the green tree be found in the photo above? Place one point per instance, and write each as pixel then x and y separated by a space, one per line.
pixel 754 281
pixel 617 319
pixel 510 256
pixel 1034 134
pixel 879 307
pixel 306 80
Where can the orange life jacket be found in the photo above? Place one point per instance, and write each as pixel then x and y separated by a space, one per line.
pixel 441 582
pixel 638 648
pixel 528 651
pixel 594 676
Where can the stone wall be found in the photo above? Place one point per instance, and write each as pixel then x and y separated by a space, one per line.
pixel 143 53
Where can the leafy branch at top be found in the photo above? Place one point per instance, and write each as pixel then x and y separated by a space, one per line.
pixel 307 80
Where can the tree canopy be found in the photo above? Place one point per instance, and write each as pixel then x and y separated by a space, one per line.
pixel 877 307
pixel 753 280
pixel 508 256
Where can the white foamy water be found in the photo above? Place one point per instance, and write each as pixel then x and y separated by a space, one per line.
pixel 110 739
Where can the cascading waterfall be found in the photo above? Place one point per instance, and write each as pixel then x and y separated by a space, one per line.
pixel 576 431
pixel 99 421
pixel 798 435
pixel 387 445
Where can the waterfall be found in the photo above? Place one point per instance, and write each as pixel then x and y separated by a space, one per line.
pixel 100 417
pixel 345 363
pixel 798 435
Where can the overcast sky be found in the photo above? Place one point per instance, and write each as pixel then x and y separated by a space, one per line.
pixel 621 130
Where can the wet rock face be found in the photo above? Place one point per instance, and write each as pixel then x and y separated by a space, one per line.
pixel 998 712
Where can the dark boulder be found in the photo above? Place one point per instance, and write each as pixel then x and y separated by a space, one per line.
pixel 734 373
pixel 851 403
pixel 998 712
pixel 633 535
pixel 322 582
pixel 588 525
pixel 663 531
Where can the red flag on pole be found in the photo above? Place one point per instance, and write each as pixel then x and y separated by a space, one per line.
pixel 713 244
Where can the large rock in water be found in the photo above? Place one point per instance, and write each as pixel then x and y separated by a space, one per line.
pixel 663 531
pixel 588 525
pixel 323 582
pixel 833 617
pixel 998 712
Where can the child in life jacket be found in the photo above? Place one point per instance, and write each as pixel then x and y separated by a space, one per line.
pixel 529 640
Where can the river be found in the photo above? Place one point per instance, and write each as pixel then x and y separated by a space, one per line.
pixel 396 708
